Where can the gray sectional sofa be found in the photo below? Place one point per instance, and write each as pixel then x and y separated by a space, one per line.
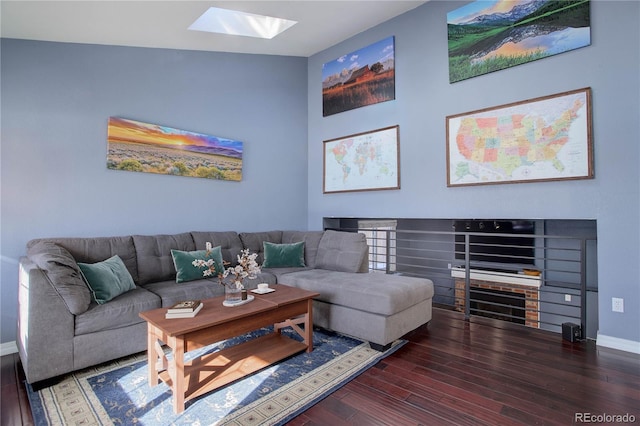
pixel 61 328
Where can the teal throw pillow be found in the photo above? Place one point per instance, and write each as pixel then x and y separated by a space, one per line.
pixel 107 279
pixel 183 261
pixel 283 255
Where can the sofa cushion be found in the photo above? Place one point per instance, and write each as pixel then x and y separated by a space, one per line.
pixel 253 241
pixel 154 255
pixel 63 274
pixel 107 279
pixel 311 241
pixel 170 293
pixel 92 250
pixel 377 293
pixel 120 312
pixel 229 243
pixel 186 271
pixel 341 251
pixel 283 255
pixel 280 273
pixel 265 276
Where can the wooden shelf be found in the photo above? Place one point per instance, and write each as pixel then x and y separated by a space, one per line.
pixel 498 277
pixel 212 371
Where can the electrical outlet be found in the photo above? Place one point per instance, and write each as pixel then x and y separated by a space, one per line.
pixel 567 298
pixel 617 304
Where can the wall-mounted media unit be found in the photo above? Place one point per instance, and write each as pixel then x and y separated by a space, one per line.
pixel 499 244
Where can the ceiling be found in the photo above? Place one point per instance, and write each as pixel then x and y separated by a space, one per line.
pixel 163 24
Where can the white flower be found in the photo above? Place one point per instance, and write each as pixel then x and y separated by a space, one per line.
pixel 209 264
pixel 247 267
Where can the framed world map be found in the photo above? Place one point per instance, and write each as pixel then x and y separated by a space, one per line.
pixel 541 139
pixel 362 162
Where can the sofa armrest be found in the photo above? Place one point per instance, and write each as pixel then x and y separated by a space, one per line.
pixel 45 325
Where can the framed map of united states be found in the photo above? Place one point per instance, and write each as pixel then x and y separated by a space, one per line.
pixel 541 139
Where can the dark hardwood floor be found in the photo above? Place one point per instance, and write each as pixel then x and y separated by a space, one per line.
pixel 14 403
pixel 476 372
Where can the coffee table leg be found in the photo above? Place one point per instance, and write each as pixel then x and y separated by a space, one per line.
pixel 308 326
pixel 306 319
pixel 152 355
pixel 176 371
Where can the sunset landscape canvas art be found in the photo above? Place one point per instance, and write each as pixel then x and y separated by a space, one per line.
pixel 142 147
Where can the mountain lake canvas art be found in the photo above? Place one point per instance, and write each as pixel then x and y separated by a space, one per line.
pixel 486 36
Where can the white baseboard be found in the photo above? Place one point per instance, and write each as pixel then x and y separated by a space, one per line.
pixel 619 344
pixel 8 348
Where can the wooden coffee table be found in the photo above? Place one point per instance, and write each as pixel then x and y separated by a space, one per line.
pixel 285 307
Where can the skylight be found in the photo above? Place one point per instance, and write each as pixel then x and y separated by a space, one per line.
pixel 225 21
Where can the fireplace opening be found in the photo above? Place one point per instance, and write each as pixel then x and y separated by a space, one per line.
pixel 502 305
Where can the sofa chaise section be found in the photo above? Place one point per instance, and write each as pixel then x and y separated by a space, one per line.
pixel 375 307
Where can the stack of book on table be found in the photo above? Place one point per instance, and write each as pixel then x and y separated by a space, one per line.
pixel 184 309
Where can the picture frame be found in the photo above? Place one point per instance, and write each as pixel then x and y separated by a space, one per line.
pixel 542 139
pixel 368 161
pixel 136 146
pixel 360 78
pixel 487 36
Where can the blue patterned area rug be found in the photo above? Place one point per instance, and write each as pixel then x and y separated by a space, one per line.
pixel 118 392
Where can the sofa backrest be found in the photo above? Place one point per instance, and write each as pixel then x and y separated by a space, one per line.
pixel 228 241
pixel 311 241
pixel 153 253
pixel 148 257
pixel 253 241
pixel 92 250
pixel 343 251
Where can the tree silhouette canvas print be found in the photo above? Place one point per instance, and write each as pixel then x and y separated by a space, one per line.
pixel 360 78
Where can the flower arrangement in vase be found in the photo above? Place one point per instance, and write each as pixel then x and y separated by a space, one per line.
pixel 247 267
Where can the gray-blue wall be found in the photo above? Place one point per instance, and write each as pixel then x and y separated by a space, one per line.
pixel 424 97
pixel 56 100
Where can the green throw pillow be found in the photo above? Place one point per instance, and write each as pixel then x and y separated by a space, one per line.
pixel 107 279
pixel 183 261
pixel 283 255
